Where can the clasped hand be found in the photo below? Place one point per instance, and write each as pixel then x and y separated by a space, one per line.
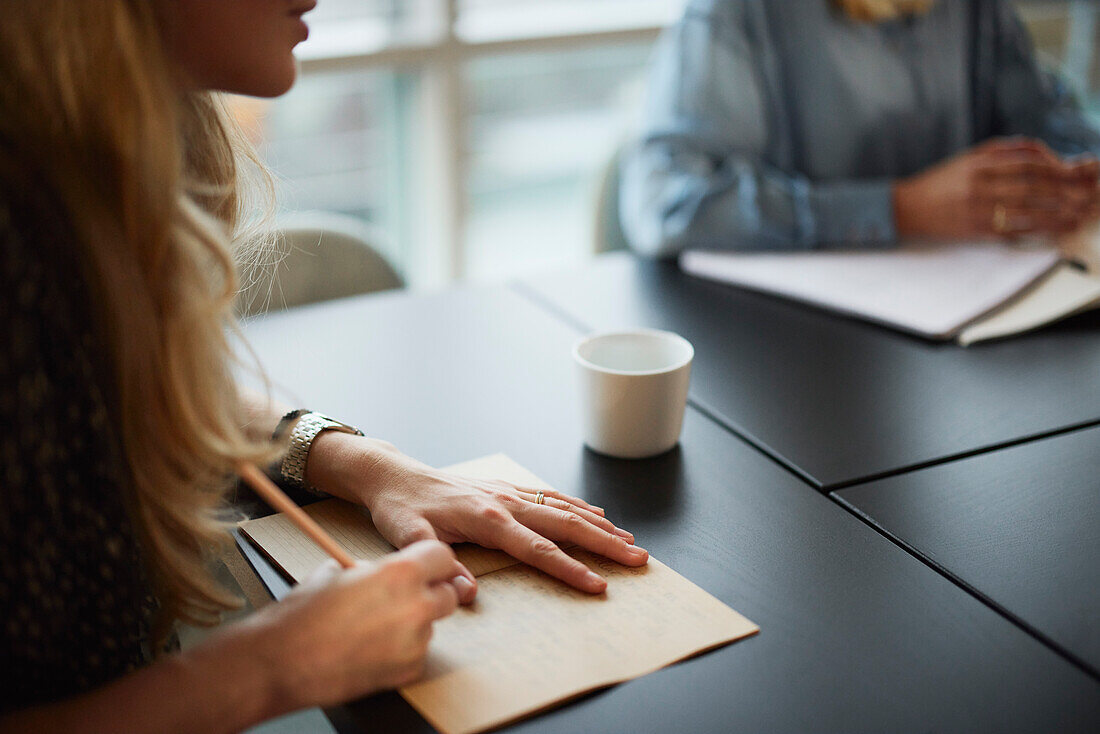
pixel 1004 188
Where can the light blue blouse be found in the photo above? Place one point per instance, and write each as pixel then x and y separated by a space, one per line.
pixel 780 124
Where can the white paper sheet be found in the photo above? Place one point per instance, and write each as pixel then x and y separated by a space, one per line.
pixel 933 291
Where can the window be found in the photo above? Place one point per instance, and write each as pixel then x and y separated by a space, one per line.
pixel 334 146
pixel 1065 35
pixel 536 141
pixel 469 132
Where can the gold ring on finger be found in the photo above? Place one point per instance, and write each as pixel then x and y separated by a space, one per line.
pixel 540 498
pixel 1000 219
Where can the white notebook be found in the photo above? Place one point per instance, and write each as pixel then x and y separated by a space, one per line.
pixel 965 292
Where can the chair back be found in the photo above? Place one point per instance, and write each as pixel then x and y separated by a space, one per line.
pixel 319 256
pixel 608 231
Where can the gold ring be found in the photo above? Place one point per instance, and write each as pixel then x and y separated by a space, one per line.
pixel 1000 219
pixel 540 498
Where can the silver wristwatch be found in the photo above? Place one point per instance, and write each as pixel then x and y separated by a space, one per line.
pixel 293 468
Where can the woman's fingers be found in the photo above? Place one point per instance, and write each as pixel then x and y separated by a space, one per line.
pixel 407 530
pixel 1017 191
pixel 519 541
pixel 563 497
pixel 325 573
pixel 1031 172
pixel 443 598
pixel 1042 223
pixel 1015 221
pixel 1021 167
pixel 1086 168
pixel 1014 144
pixel 562 525
pixel 465 584
pixel 1022 192
pixel 597 520
pixel 435 560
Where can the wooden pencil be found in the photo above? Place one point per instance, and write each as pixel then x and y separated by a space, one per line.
pixel 281 503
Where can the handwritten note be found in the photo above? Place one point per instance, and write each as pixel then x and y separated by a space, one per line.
pixel 529 641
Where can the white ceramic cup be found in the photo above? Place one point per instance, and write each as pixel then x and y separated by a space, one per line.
pixel 633 389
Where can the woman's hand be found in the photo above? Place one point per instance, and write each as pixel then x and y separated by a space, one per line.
pixel 338 636
pixel 410 501
pixel 343 634
pixel 1004 188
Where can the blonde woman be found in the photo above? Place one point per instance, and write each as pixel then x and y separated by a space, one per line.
pixel 813 124
pixel 118 197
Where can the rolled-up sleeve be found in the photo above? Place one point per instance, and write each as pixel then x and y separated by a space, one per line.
pixel 699 176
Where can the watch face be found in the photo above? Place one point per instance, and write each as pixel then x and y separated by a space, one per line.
pixel 335 425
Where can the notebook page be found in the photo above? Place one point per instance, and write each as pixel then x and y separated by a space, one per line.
pixel 1065 292
pixel 932 291
pixel 530 641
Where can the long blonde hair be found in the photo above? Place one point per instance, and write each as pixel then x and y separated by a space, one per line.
pixel 146 176
pixel 877 11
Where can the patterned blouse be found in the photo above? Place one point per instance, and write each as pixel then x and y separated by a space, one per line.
pixel 75 604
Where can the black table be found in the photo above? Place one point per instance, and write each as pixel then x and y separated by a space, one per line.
pixel 1020 527
pixel 856 633
pixel 836 400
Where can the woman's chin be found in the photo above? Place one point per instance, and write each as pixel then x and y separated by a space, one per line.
pixel 276 80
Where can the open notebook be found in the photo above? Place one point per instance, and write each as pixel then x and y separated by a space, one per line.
pixel 964 292
pixel 529 642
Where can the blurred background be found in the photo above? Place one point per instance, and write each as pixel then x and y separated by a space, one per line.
pixel 474 134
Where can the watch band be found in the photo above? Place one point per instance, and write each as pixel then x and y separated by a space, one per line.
pixel 293 468
pixel 284 423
